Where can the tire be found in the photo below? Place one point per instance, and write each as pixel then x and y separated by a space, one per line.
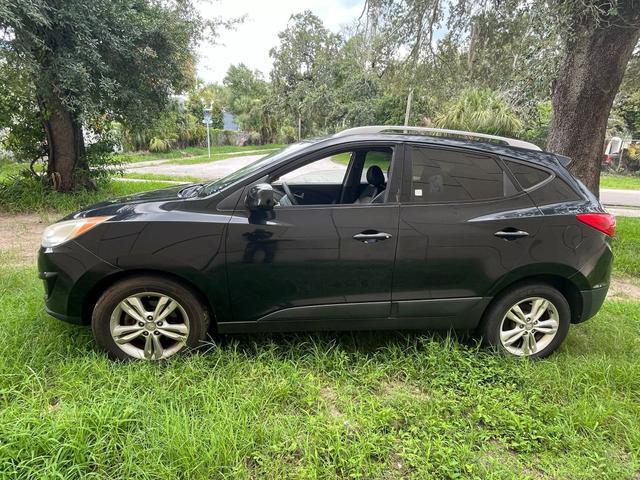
pixel 504 329
pixel 119 312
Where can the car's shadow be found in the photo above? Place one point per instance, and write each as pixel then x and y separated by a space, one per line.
pixel 351 342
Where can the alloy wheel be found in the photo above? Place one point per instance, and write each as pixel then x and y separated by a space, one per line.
pixel 529 326
pixel 149 326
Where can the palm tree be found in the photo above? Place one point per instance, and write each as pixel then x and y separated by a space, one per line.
pixel 479 110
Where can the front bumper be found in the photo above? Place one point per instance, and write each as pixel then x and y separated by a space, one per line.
pixel 69 274
pixel 592 300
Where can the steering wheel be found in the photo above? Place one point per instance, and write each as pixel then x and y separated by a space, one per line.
pixel 290 195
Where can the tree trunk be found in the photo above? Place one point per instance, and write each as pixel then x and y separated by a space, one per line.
pixel 66 147
pixel 588 80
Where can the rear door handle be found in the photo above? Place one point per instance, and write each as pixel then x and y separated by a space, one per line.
pixel 511 234
pixel 372 237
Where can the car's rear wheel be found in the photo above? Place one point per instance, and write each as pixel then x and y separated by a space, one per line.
pixel 531 320
pixel 148 318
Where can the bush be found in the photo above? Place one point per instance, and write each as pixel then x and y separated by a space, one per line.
pixel 159 145
pixel 480 110
pixel 99 157
pixel 20 193
pixel 631 157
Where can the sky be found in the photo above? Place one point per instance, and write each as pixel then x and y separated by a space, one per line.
pixel 250 42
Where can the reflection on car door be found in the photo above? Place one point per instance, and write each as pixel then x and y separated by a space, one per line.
pixel 301 266
pixel 451 249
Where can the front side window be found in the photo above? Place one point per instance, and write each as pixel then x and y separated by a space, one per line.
pixel 356 176
pixel 247 170
pixel 326 171
pixel 454 176
pixel 376 158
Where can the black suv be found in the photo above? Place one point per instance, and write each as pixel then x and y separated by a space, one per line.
pixel 371 228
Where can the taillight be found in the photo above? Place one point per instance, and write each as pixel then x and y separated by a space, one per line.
pixel 605 222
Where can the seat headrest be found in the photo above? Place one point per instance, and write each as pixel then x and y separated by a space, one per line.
pixel 375 176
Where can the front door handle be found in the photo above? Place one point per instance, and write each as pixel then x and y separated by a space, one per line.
pixel 372 237
pixel 511 234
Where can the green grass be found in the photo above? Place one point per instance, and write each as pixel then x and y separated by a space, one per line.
pixel 627 247
pixel 207 159
pixel 352 405
pixel 361 405
pixel 30 196
pixel 160 178
pixel 625 182
pixel 9 169
pixel 373 158
pixel 191 152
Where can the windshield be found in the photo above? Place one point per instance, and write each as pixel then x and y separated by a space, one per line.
pixel 274 157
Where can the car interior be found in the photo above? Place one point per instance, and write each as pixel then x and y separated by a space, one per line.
pixel 352 177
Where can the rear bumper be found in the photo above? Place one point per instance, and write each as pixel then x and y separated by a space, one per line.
pixel 592 300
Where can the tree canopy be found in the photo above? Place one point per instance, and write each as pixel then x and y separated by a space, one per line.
pixel 104 59
pixel 545 71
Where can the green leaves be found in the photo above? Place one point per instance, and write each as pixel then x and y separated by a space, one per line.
pixel 480 111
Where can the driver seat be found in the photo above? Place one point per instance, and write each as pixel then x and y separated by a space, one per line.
pixel 376 185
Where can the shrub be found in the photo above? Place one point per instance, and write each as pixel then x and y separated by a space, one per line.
pixel 480 111
pixel 159 145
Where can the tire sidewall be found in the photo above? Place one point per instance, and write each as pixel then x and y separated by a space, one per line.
pixel 106 304
pixel 491 324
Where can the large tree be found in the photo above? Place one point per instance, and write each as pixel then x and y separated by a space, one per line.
pixel 249 97
pixel 600 37
pixel 117 59
pixel 303 74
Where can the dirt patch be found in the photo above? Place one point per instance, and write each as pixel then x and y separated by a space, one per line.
pixel 394 388
pixel 20 238
pixel 624 289
pixel 330 397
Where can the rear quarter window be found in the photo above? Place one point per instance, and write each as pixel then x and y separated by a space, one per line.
pixel 527 176
pixel 541 191
pixel 555 191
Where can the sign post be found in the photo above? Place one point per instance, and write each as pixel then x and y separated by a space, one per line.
pixel 207 121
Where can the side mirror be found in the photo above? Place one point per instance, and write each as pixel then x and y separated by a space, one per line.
pixel 260 197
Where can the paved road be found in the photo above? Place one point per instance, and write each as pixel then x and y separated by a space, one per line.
pixel 205 171
pixel 627 198
pixel 325 170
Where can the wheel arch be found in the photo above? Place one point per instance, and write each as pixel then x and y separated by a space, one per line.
pixel 566 280
pixel 96 290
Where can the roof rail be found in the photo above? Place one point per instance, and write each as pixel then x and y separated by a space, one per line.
pixel 437 132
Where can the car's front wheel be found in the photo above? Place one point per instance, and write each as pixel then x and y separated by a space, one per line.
pixel 148 318
pixel 531 320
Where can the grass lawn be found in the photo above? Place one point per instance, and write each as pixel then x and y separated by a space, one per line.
pixel 361 405
pixel 191 152
pixel 352 405
pixel 160 177
pixel 627 247
pixel 625 182
pixel 206 159
pixel 39 199
pixel 8 169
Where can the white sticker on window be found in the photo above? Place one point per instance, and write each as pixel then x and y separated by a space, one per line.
pixel 417 192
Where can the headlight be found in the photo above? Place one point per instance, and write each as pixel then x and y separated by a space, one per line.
pixel 64 231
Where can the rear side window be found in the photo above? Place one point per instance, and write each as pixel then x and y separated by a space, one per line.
pixel 526 175
pixel 453 176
